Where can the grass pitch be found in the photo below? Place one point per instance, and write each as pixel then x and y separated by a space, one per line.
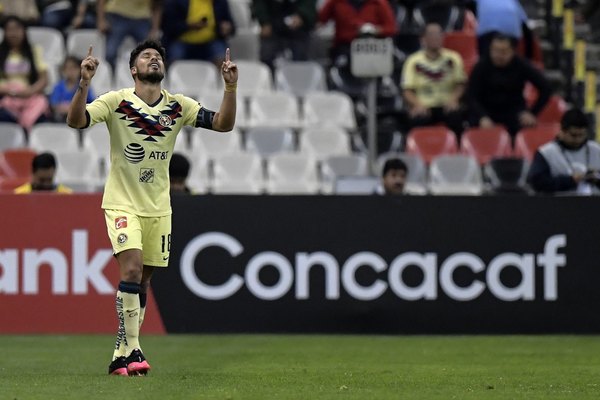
pixel 306 367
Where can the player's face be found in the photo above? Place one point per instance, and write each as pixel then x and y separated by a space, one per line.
pixel 394 180
pixel 43 179
pixel 149 66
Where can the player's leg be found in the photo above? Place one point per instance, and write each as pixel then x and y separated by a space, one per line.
pixel 124 231
pixel 144 286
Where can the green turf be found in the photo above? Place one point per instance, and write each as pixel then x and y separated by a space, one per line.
pixel 306 367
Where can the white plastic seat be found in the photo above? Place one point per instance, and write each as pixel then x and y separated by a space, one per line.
pixel 103 79
pixel 198 179
pixel 300 77
pixel 122 74
pixel 238 174
pixel 240 12
pixel 455 175
pixel 356 185
pixel 207 144
pixel 80 40
pixel 54 138
pixel 329 108
pixel 416 181
pixel 269 140
pixel 79 170
pixel 190 77
pixel 245 44
pixel 323 142
pixel 11 136
pixel 292 173
pixel 97 140
pixel 335 167
pixel 255 77
pixel 51 41
pixel 278 109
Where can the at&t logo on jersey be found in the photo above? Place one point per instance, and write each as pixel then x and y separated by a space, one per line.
pixel 134 153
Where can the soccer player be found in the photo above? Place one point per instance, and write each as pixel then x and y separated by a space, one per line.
pixel 143 123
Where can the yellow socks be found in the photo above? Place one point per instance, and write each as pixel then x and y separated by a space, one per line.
pixel 128 312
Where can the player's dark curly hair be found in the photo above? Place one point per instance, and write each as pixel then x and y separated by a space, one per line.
pixel 147 44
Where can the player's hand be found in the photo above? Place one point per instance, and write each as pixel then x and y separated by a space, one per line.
pixel 229 69
pixel 89 66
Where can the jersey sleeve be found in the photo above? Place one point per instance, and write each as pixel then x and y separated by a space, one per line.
pixel 190 111
pixel 408 77
pixel 99 109
pixel 38 59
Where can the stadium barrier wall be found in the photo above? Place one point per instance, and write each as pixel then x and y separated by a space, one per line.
pixel 308 264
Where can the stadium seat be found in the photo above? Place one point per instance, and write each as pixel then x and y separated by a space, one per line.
pixel 241 13
pixel 51 41
pixel 80 40
pixel 455 175
pixel 122 74
pixel 277 109
pixel 12 136
pixel 199 177
pixel 329 108
pixel 16 163
pixel 323 142
pixel 356 185
pixel 430 142
pixel 553 111
pixel 191 77
pixel 335 167
pixel 528 140
pixel 207 144
pixel 507 175
pixel 416 181
pixel 53 137
pixel 269 140
pixel 103 79
pixel 292 173
pixel 245 44
pixel 255 79
pixel 79 170
pixel 465 44
pixel 97 140
pixel 8 185
pixel 486 143
pixel 238 173
pixel 300 77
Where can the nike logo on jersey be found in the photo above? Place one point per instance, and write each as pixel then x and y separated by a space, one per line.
pixel 151 126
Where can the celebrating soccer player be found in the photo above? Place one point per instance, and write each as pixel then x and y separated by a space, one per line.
pixel 143 123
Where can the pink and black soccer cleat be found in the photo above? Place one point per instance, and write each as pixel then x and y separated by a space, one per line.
pixel 118 366
pixel 137 364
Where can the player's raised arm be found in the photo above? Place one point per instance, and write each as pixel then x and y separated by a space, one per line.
pixel 76 115
pixel 225 118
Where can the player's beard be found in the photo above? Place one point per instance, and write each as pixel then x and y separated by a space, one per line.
pixel 151 77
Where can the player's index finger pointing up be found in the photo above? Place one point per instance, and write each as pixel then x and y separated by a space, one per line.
pixel 90 51
pixel 227 55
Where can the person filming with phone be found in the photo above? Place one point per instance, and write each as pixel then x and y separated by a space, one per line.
pixel 570 164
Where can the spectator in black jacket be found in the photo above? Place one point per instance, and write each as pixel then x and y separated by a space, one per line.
pixel 284 25
pixel 495 90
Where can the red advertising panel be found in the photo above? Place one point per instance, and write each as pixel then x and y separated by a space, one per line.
pixel 57 272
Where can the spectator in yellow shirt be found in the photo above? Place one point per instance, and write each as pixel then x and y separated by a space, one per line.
pixel 42 178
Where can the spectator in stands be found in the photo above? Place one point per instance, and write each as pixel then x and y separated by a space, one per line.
pixel 449 15
pixel 393 177
pixel 85 15
pixel 569 164
pixel 23 76
pixel 43 170
pixel 65 89
pixel 118 19
pixel 56 14
pixel 495 89
pixel 26 10
pixel 179 169
pixel 506 17
pixel 285 25
pixel 433 83
pixel 197 29
pixel 354 18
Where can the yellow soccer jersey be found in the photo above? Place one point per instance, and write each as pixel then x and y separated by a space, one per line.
pixel 142 137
